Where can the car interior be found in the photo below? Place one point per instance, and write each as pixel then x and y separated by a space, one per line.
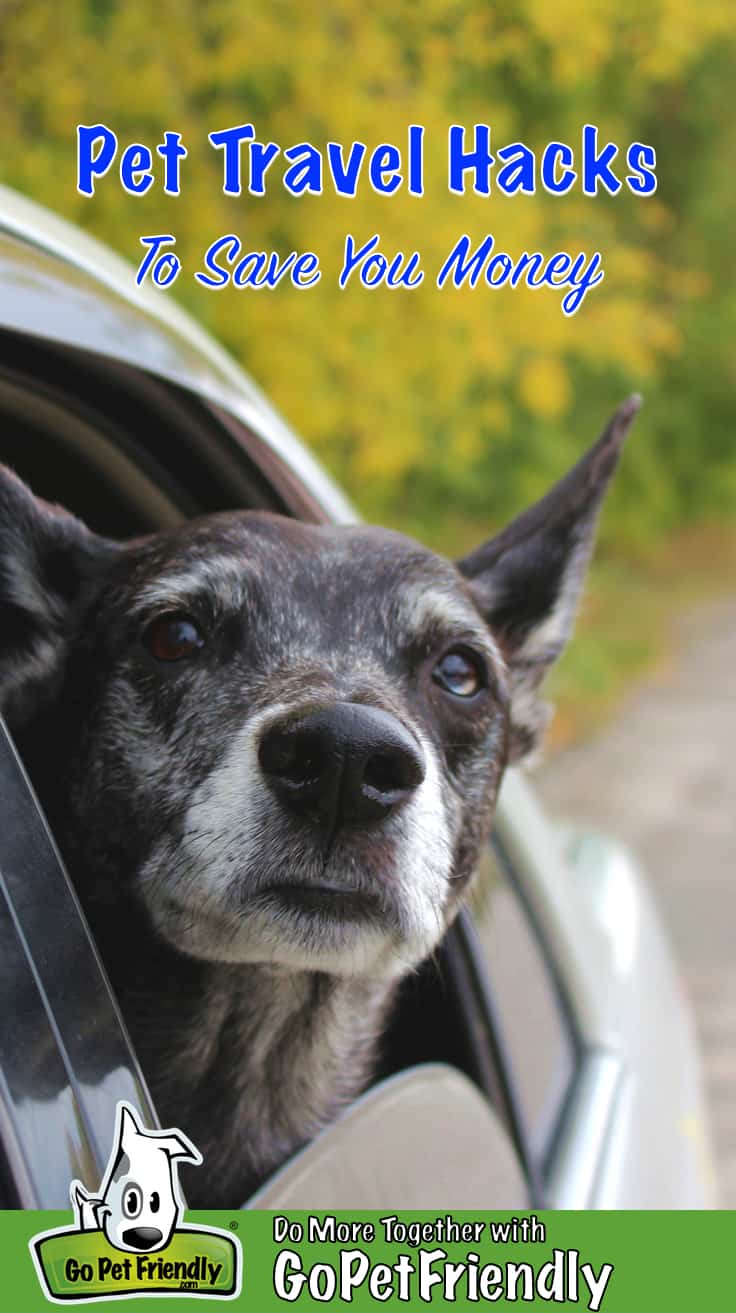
pixel 130 453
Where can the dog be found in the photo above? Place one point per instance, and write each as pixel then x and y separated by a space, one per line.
pixel 269 752
pixel 139 1202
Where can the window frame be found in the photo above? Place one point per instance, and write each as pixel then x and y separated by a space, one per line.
pixel 53 1016
pixel 563 1008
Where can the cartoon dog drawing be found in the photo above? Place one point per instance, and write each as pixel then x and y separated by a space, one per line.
pixel 139 1203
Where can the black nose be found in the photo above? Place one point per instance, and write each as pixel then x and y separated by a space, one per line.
pixel 142 1237
pixel 345 764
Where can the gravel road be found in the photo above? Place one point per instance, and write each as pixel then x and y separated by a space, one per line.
pixel 663 777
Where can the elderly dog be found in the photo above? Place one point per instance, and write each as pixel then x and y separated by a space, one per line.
pixel 270 753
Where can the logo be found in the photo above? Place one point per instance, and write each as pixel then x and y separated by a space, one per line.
pixel 129 1238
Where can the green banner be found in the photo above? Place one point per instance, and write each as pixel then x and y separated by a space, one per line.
pixel 620 1262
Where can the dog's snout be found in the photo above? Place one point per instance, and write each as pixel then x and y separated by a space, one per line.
pixel 142 1237
pixel 346 763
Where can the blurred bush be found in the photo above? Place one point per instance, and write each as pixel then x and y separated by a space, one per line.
pixel 439 410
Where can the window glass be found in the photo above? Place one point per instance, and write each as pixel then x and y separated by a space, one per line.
pixel 537 1032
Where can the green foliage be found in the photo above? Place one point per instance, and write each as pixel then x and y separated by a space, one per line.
pixel 434 408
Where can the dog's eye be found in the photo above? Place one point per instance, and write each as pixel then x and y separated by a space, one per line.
pixel 459 672
pixel 154 1202
pixel 173 637
pixel 132 1200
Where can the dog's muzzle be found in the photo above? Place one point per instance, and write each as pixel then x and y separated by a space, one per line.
pixel 142 1237
pixel 346 764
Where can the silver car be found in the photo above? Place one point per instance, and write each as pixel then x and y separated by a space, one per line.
pixel 546 1057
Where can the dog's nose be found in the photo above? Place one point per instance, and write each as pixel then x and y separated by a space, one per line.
pixel 142 1237
pixel 346 763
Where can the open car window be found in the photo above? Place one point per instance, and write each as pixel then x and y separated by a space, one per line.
pixel 130 454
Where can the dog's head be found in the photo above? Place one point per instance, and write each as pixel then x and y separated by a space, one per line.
pixel 285 741
pixel 140 1203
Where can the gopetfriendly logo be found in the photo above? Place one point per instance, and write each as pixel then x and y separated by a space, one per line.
pixel 129 1239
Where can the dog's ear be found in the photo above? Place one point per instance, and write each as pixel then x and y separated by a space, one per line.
pixel 527 581
pixel 48 562
pixel 180 1146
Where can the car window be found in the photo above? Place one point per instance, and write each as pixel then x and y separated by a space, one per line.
pixel 124 484
pixel 537 1031
pixel 127 453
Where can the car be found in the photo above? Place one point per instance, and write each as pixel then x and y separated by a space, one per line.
pixel 545 1057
